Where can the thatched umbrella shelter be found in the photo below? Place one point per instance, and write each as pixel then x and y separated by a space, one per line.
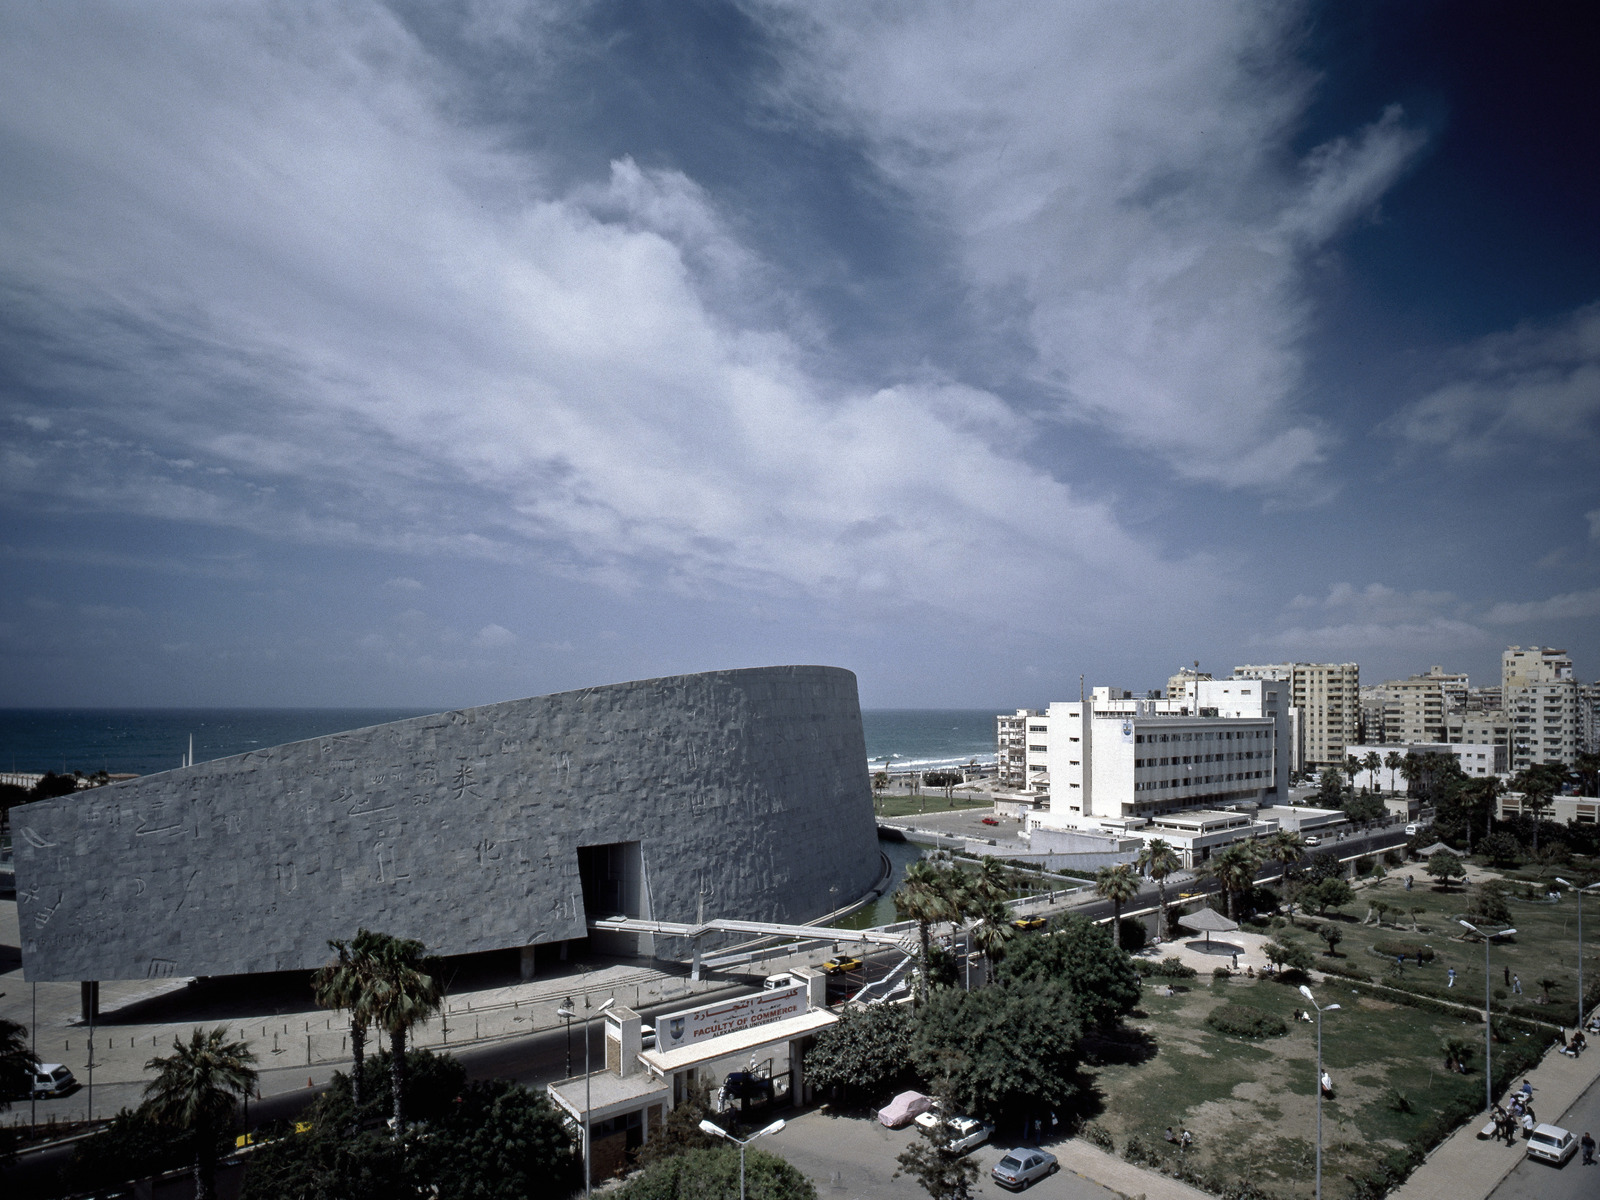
pixel 1207 921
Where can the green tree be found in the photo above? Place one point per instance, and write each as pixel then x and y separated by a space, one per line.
pixel 500 1141
pixel 1538 784
pixel 1489 902
pixel 1287 848
pixel 1289 956
pixel 1330 892
pixel 944 1172
pixel 1458 1053
pixel 1158 860
pixel 1586 769
pixel 133 1145
pixel 991 883
pixel 1444 867
pixel 948 780
pixel 1501 849
pixel 993 931
pixel 714 1175
pixel 195 1089
pixel 1373 763
pixel 1235 869
pixel 1392 761
pixel 1333 935
pixel 1330 788
pixel 1004 1051
pixel 1364 809
pixel 17 1062
pixel 1117 884
pixel 866 1054
pixel 1078 953
pixel 681 1131
pixel 345 985
pixel 923 897
pixel 403 994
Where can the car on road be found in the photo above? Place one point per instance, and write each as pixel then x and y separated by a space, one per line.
pixel 990 821
pixel 53 1079
pixel 965 1132
pixel 1413 829
pixel 1030 922
pixel 1312 839
pixel 1023 1166
pixel 841 965
pixel 1552 1144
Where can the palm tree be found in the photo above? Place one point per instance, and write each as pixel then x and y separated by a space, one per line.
pixel 991 881
pixel 921 897
pixel 1392 760
pixel 993 931
pixel 1537 784
pixel 1117 884
pixel 1235 869
pixel 1373 762
pixel 195 1088
pixel 346 985
pixel 1158 859
pixel 1587 769
pixel 403 993
pixel 1288 848
pixel 1352 765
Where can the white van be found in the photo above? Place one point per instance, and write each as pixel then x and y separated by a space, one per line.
pixel 773 982
pixel 1412 829
pixel 53 1079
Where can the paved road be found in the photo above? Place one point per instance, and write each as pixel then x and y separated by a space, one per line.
pixel 1531 1180
pixel 853 1158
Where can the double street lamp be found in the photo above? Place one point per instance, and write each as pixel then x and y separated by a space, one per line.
pixel 1488 1023
pixel 1311 1000
pixel 716 1130
pixel 588 1083
pixel 1580 891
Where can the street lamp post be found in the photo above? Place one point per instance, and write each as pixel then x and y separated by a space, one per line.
pixel 1311 1000
pixel 567 1012
pixel 718 1131
pixel 588 1084
pixel 1488 1023
pixel 1580 891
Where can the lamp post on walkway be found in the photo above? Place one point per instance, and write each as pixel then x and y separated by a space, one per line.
pixel 588 1085
pixel 1311 1000
pixel 1580 891
pixel 1488 1024
pixel 567 1012
pixel 718 1131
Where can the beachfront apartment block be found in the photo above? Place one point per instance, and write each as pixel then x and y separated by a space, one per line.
pixel 1327 700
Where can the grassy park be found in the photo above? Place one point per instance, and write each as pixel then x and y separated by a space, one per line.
pixel 927 802
pixel 1250 1103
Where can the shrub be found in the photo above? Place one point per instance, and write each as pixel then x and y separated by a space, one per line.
pixel 1241 1020
pixel 1134 934
pixel 1097 1135
pixel 1220 974
pixel 1170 968
pixel 1411 950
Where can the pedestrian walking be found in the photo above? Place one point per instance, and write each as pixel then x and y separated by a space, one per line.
pixel 1236 960
pixel 1587 1143
pixel 1408 883
pixel 1527 1091
pixel 1516 985
pixel 1452 982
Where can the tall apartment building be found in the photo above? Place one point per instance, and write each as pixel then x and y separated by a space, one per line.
pixel 1544 701
pixel 1327 697
pixel 1112 757
pixel 1414 709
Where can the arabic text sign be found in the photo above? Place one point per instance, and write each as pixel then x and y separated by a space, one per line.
pixel 680 1029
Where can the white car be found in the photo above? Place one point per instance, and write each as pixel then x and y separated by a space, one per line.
pixel 53 1079
pixel 1411 830
pixel 965 1132
pixel 1021 1167
pixel 1312 839
pixel 1552 1144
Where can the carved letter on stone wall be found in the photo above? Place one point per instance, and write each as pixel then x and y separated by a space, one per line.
pixel 35 839
pixel 161 968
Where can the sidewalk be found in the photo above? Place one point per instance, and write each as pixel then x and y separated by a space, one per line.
pixel 1467 1167
pixel 1088 1161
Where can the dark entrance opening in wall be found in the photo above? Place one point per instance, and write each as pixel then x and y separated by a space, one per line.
pixel 612 875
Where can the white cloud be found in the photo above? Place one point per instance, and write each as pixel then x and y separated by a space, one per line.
pixel 402 583
pixel 1124 170
pixel 1535 383
pixel 494 637
pixel 269 247
pixel 1350 622
pixel 1566 607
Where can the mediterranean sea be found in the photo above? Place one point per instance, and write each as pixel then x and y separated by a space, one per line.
pixel 141 741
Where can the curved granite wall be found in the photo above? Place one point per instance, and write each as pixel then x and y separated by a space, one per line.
pixel 746 792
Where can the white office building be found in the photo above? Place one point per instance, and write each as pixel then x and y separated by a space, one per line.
pixel 1544 702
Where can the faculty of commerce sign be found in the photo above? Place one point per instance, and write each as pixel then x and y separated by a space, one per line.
pixel 733 1016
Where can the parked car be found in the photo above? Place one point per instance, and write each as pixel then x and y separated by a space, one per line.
pixel 1021 1167
pixel 965 1132
pixel 53 1079
pixel 1312 839
pixel 903 1108
pixel 989 821
pixel 842 964
pixel 1552 1144
pixel 1412 829
pixel 1030 922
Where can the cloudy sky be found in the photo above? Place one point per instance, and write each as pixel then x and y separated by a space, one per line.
pixel 421 354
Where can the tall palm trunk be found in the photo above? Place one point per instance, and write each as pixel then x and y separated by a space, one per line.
pixel 1161 893
pixel 397 1076
pixel 358 1053
pixel 1116 924
pixel 205 1162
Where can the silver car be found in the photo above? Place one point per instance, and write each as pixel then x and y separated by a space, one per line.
pixel 1021 1167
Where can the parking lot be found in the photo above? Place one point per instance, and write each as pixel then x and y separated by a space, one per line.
pixel 853 1158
